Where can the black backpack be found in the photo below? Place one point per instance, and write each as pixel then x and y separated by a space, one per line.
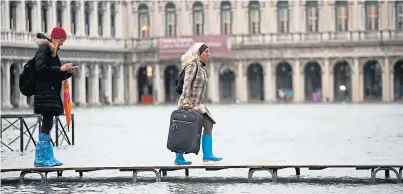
pixel 27 78
pixel 181 79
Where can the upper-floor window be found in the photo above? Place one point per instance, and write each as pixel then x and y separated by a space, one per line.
pixel 113 19
pixel 372 15
pixel 283 21
pixel 198 18
pixel 226 18
pixel 312 16
pixel 73 15
pixel 87 14
pixel 399 16
pixel 341 16
pixel 170 20
pixel 101 11
pixel 254 17
pixel 144 24
pixel 59 13
pixel 29 15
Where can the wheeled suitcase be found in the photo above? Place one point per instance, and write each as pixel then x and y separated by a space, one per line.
pixel 185 128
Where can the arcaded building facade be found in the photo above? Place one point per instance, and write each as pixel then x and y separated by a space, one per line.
pixel 280 51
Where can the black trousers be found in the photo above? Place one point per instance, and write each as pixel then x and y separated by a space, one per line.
pixel 47 124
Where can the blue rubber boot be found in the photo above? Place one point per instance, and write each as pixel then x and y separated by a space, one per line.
pixel 207 146
pixel 44 153
pixel 180 160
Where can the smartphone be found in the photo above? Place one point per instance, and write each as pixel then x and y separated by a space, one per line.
pixel 74 65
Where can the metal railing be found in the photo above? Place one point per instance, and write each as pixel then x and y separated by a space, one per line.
pixel 29 124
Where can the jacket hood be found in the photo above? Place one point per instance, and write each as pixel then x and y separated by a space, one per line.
pixel 42 39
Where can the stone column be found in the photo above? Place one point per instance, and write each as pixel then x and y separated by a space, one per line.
pixel 213 84
pixel 37 17
pixel 356 81
pixel 80 18
pixel 385 80
pixel 158 86
pixel 21 18
pixel 67 17
pixel 94 19
pixel 80 81
pixel 268 82
pixel 119 20
pixel 325 80
pixel 6 96
pixel 296 85
pixel 107 20
pixel 120 85
pixel 52 16
pixel 5 15
pixel 241 84
pixel 133 91
pixel 94 85
pixel 108 85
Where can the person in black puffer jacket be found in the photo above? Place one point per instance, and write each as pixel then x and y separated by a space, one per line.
pixel 47 100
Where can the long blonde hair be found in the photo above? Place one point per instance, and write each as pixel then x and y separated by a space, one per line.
pixel 192 54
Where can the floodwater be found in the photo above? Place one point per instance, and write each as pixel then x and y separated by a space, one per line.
pixel 305 133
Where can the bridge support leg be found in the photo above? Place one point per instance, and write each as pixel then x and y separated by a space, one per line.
pixel 273 173
pixel 297 171
pixel 157 175
pixel 23 173
pixel 374 171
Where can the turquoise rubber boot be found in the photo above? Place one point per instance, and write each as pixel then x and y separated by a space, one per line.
pixel 207 146
pixel 44 156
pixel 180 160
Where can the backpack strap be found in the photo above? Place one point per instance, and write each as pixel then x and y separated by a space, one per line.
pixel 194 77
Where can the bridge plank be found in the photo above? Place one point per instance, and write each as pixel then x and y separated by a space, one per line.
pixel 198 166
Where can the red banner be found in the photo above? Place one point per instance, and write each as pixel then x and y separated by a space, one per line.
pixel 172 48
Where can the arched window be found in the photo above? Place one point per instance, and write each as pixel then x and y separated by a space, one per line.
pixel 144 21
pixel 198 18
pixel 283 16
pixel 254 17
pixel 170 20
pixel 226 18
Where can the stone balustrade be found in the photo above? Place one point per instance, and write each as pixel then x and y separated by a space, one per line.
pixel 11 38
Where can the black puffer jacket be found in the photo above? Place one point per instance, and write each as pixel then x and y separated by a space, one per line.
pixel 47 100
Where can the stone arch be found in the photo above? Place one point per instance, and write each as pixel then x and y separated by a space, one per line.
pixel 170 74
pixel 226 67
pixel 313 81
pixel 284 81
pixel 372 85
pixel 227 85
pixel 255 79
pixel 342 85
pixel 307 62
pixel 398 80
pixel 15 70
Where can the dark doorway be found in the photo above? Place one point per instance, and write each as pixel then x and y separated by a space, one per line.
pixel 284 88
pixel 342 81
pixel 14 93
pixel 145 86
pixel 372 81
pixel 170 75
pixel 227 86
pixel 313 82
pixel 398 81
pixel 255 82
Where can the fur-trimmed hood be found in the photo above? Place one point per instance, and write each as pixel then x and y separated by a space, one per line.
pixel 42 39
